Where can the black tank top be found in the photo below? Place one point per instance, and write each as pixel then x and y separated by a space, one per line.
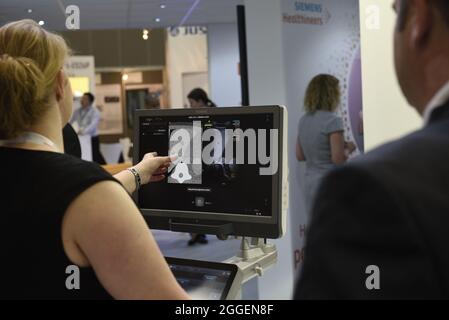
pixel 36 189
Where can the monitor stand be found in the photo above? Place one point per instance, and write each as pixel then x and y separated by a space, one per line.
pixel 254 258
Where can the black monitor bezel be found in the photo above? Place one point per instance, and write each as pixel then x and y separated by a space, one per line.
pixel 209 265
pixel 242 225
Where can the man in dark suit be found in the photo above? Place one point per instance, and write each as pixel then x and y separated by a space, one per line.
pixel 380 226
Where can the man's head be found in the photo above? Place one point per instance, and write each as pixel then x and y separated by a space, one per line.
pixel 87 99
pixel 421 44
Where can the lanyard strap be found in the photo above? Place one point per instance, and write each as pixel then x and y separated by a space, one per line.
pixel 30 137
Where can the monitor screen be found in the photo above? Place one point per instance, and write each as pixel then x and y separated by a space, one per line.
pixel 203 280
pixel 205 187
pixel 227 167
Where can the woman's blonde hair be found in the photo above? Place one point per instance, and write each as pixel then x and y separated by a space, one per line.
pixel 323 93
pixel 30 59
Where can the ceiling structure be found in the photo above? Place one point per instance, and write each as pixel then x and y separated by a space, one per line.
pixel 121 14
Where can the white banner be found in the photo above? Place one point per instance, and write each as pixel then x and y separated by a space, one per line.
pixel 320 36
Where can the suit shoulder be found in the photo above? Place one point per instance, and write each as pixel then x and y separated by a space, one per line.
pixel 407 150
pixel 408 163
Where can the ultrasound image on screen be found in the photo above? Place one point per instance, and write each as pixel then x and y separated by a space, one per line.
pixel 187 168
pixel 218 185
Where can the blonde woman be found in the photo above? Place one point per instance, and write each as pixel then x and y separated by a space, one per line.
pixel 61 214
pixel 320 140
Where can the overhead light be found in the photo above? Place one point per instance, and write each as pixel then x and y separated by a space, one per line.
pixel 162 6
pixel 145 35
pixel 30 10
pixel 41 23
pixel 125 77
pixel 157 19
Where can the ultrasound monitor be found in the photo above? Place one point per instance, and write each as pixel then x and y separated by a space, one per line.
pixel 204 280
pixel 230 174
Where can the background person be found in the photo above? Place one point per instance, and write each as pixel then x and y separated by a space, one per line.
pixel 198 98
pixel 86 120
pixel 389 209
pixel 55 202
pixel 320 140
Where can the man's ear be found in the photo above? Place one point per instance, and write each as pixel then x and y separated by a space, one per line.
pixel 60 85
pixel 421 25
